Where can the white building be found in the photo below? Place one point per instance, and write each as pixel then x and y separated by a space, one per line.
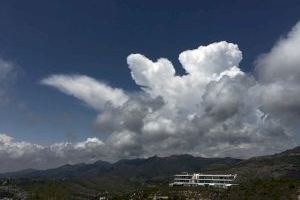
pixel 215 180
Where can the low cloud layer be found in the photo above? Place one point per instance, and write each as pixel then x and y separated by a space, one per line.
pixel 19 155
pixel 215 109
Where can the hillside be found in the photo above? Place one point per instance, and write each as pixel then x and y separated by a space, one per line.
pixel 285 164
pixel 152 168
pixel 127 175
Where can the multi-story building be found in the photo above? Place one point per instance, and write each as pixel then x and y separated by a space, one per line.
pixel 198 179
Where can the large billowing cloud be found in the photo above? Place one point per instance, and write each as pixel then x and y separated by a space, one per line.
pixel 279 75
pixel 214 109
pixel 203 65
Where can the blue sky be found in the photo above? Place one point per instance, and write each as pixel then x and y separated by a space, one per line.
pixel 94 38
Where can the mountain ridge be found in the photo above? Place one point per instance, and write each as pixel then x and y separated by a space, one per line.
pixel 158 170
pixel 103 165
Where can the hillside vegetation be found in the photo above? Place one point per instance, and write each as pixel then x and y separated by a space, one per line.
pixel 274 175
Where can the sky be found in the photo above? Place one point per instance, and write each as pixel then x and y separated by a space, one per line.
pixel 82 81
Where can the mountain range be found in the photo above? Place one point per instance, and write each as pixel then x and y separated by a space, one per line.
pixel 126 174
